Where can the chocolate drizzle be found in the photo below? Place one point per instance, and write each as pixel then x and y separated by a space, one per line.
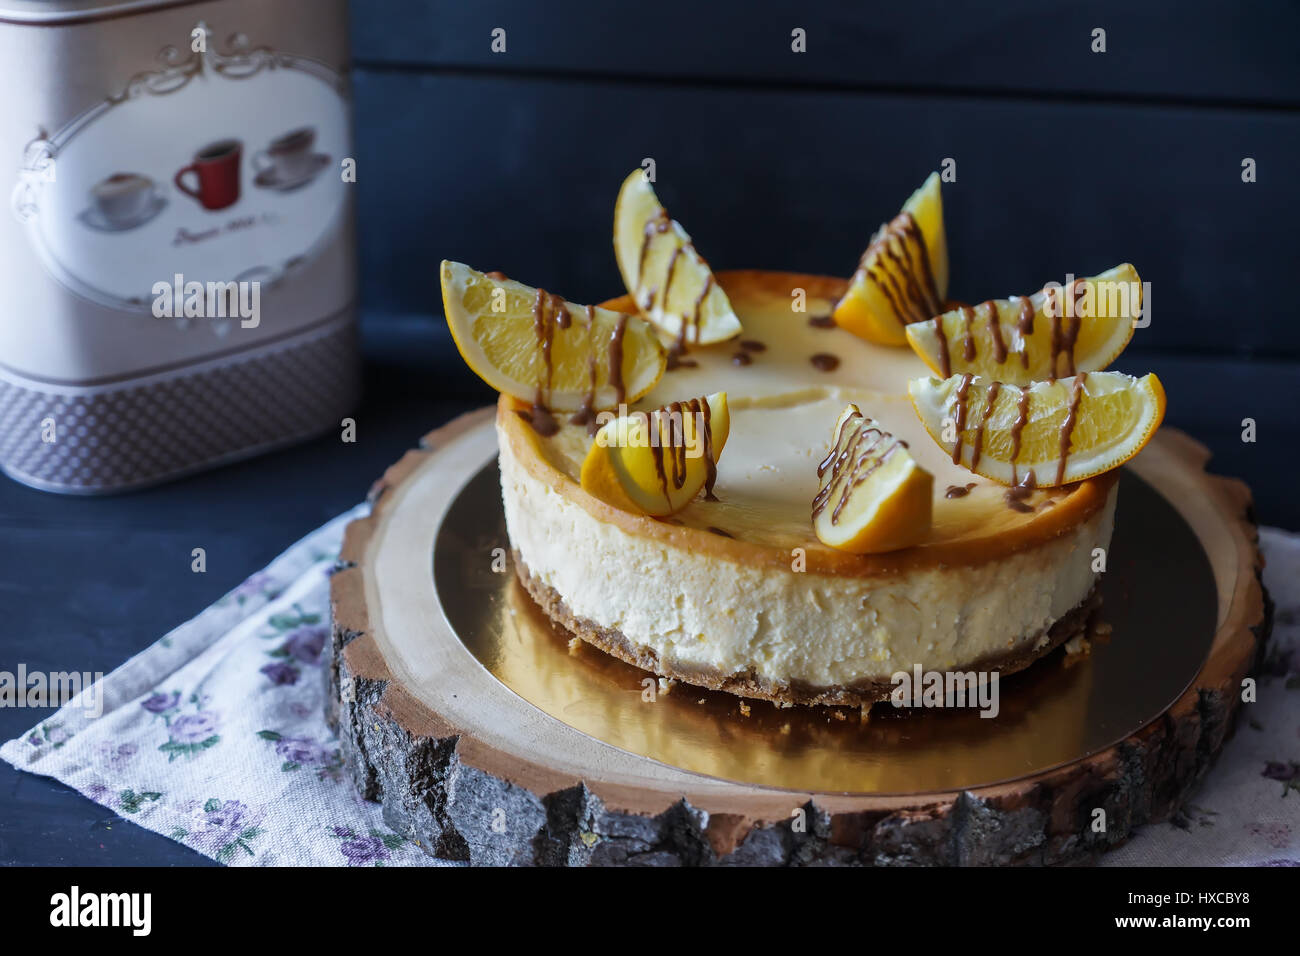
pixel 1026 324
pixel 540 417
pixel 667 429
pixel 616 359
pixel 963 390
pixel 753 345
pixel 995 333
pixel 549 311
pixel 742 358
pixel 958 491
pixel 822 321
pixel 1017 493
pixel 851 461
pixel 825 362
pixel 968 343
pixel 1067 426
pixel 917 298
pixel 586 413
pixel 1017 427
pixel 656 225
pixel 1065 330
pixel 945 359
pixel 978 446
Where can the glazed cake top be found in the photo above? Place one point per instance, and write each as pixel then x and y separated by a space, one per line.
pixel 787 377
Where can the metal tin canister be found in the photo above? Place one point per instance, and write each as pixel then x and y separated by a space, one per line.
pixel 177 262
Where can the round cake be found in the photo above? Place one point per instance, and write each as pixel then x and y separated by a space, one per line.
pixel 735 591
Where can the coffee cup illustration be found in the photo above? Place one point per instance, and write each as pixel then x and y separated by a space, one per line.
pixel 124 199
pixel 289 160
pixel 216 174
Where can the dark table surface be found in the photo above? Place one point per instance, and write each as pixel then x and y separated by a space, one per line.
pixel 87 582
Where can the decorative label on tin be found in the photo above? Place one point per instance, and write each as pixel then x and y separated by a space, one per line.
pixel 220 165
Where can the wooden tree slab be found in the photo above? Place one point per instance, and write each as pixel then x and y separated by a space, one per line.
pixel 473 772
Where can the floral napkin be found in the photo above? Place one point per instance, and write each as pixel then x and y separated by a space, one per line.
pixel 215 737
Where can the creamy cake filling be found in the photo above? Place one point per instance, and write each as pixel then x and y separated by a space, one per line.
pixel 697 610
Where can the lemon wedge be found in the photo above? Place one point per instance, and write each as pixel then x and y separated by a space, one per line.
pixel 903 275
pixel 537 347
pixel 873 497
pixel 671 283
pixel 656 462
pixel 1053 333
pixel 1044 434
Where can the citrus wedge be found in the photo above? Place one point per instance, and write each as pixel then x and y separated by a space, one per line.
pixel 1044 434
pixel 1050 334
pixel 671 283
pixel 903 275
pixel 533 345
pixel 656 462
pixel 874 497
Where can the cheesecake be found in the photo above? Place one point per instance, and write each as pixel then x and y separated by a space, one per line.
pixel 736 591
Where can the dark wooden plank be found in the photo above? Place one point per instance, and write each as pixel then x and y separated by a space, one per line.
pixel 1199 50
pixel 521 175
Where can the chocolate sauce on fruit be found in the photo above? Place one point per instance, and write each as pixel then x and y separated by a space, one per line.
pixel 995 333
pixel 945 358
pixel 826 321
pixel 1067 426
pixel 848 462
pixel 917 298
pixel 742 358
pixel 968 343
pixel 963 390
pixel 667 426
pixel 1017 427
pixel 616 359
pixel 1026 324
pixel 978 447
pixel 825 362
pixel 753 345
pixel 958 491
pixel 725 534
pixel 657 225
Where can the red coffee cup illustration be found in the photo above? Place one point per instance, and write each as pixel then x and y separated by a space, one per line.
pixel 216 170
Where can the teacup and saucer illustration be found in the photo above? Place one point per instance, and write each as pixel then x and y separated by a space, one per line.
pixel 121 202
pixel 289 161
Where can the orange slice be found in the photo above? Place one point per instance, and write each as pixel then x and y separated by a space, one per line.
pixel 656 462
pixel 537 347
pixel 874 497
pixel 903 275
pixel 672 284
pixel 1056 432
pixel 1053 333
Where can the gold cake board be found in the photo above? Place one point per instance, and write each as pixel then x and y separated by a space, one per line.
pixel 462 708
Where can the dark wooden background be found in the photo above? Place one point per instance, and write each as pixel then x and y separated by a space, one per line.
pixel 1067 161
